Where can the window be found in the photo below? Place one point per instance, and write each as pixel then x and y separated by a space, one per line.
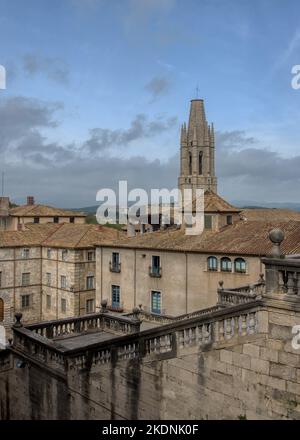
pixel 1 310
pixel 25 279
pixel 115 296
pixel 207 221
pixel 72 219
pixel 200 163
pixel 155 268
pixel 91 255
pixel 0 279
pixel 36 220
pixel 49 252
pixel 240 265
pixel 64 254
pixel 90 282
pixel 226 264
pixel 156 302
pixel 229 219
pixel 63 305
pixel 48 279
pixel 115 262
pixel 55 219
pixel 25 301
pixel 212 264
pixel 90 306
pixel 48 301
pixel 63 282
pixel 190 163
pixel 25 253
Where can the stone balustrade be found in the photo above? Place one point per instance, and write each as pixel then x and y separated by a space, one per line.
pixel 167 319
pixel 215 327
pixel 87 323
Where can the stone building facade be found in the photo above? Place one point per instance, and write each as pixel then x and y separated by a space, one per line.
pixel 48 271
pixel 13 219
pixel 168 272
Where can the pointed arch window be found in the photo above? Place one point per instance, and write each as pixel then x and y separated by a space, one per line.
pixel 200 163
pixel 190 163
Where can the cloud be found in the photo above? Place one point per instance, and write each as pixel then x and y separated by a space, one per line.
pixel 34 164
pixel 140 128
pixel 157 87
pixel 54 68
pixel 259 174
pixel 233 139
pixel 19 116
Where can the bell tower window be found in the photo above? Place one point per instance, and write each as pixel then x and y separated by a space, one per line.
pixel 190 163
pixel 200 163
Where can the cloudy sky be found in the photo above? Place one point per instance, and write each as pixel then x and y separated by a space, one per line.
pixel 97 90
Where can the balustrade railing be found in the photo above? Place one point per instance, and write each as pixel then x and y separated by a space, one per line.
pixel 218 326
pixel 83 324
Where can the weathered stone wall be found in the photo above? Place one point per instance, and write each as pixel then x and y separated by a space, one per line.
pixel 256 376
pixel 75 267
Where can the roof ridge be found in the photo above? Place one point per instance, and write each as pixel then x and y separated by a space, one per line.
pixel 59 226
pixel 81 238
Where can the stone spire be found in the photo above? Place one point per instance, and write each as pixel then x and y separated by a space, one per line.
pixel 197 146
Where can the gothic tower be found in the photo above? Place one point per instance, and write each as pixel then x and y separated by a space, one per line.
pixel 197 151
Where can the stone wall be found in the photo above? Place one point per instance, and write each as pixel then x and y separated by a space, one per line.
pixel 237 364
pixel 75 267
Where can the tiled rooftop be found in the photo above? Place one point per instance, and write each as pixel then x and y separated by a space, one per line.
pixel 64 235
pixel 43 211
pixel 270 214
pixel 241 238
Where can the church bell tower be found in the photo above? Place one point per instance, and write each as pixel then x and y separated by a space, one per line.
pixel 197 151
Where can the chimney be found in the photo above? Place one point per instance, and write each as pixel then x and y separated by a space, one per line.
pixel 30 200
pixel 130 230
pixel 4 206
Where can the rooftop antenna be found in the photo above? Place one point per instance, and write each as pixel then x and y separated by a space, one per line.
pixel 2 184
pixel 197 91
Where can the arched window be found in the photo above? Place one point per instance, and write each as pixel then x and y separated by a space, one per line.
pixel 190 163
pixel 212 264
pixel 200 163
pixel 1 310
pixel 226 265
pixel 240 265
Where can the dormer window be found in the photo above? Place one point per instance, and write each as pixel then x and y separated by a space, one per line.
pixel 229 220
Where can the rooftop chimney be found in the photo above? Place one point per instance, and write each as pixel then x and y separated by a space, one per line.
pixel 4 206
pixel 30 200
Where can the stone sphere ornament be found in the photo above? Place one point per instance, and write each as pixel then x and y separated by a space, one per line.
pixel 276 236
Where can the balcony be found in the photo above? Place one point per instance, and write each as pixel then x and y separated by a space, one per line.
pixel 155 272
pixel 115 307
pixel 115 267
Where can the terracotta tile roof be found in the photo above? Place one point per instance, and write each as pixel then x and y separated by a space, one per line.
pixel 270 214
pixel 242 238
pixel 27 237
pixel 43 211
pixel 64 235
pixel 82 236
pixel 214 203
